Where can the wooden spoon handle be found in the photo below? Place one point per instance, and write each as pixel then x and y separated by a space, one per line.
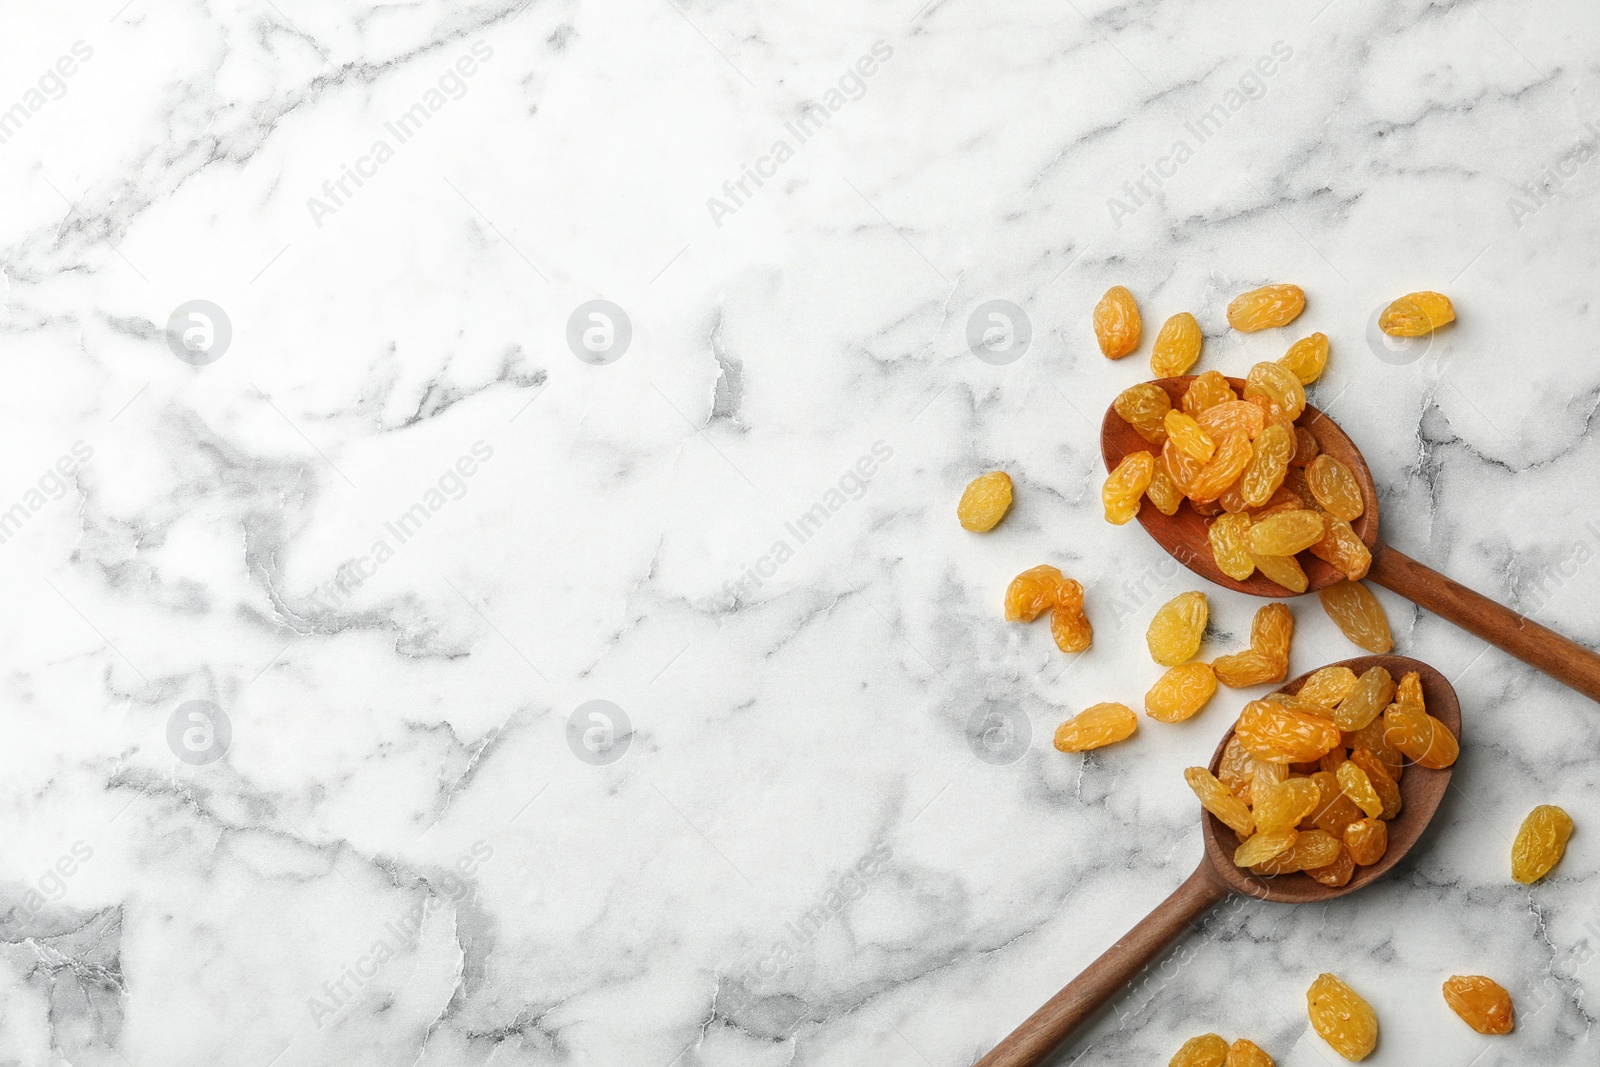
pixel 1046 1028
pixel 1562 659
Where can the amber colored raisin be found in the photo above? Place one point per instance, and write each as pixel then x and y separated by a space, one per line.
pixel 1328 686
pixel 1383 782
pixel 1224 468
pixel 1103 724
pixel 1116 323
pixel 1070 628
pixel 985 501
pixel 1219 800
pixel 1206 391
pixel 1259 848
pixel 1271 631
pixel 1540 843
pixel 1358 615
pixel 1366 699
pixel 1335 811
pixel 1416 314
pixel 1207 1050
pixel 1177 346
pixel 1033 591
pixel 1306 447
pixel 1126 485
pixel 1284 805
pixel 1174 633
pixel 1367 839
pixel 1187 435
pixel 1284 570
pixel 1181 692
pixel 1342 547
pixel 1278 734
pixel 1342 1018
pixel 1482 1003
pixel 1231 416
pixel 1409 691
pixel 1267 467
pixel 1335 488
pixel 1313 848
pixel 1235 769
pixel 1240 670
pixel 1355 784
pixel 1307 357
pixel 1420 736
pixel 1285 533
pixel 1229 535
pixel 1244 1053
pixel 1374 739
pixel 1268 306
pixel 1278 384
pixel 1165 495
pixel 1337 873
pixel 1143 406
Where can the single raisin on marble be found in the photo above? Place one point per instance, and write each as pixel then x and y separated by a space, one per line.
pixel 985 501
pixel 1116 323
pixel 1342 1018
pixel 1177 346
pixel 1482 1003
pixel 1416 314
pixel 1126 485
pixel 1307 357
pixel 1540 843
pixel 1207 1050
pixel 1180 693
pixel 1176 629
pixel 1096 727
pixel 1268 306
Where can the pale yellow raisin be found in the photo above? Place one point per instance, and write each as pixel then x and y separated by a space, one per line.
pixel 1241 670
pixel 1312 849
pixel 1416 314
pixel 1232 416
pixel 1285 804
pixel 1420 736
pixel 1126 485
pixel 1540 843
pixel 1224 468
pixel 1359 616
pixel 1284 570
pixel 1096 727
pixel 1177 346
pixel 985 501
pixel 1229 537
pixel 1366 699
pixel 1342 1018
pixel 1206 391
pixel 1355 784
pixel 1165 495
pixel 1207 1050
pixel 1328 686
pixel 1307 357
pixel 1341 547
pixel 1188 436
pixel 1267 467
pixel 1335 488
pixel 1181 693
pixel 1259 848
pixel 1270 632
pixel 1143 406
pixel 1269 306
pixel 1218 800
pixel 1176 629
pixel 1286 533
pixel 1277 383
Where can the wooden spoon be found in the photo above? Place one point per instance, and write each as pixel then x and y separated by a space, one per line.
pixel 1421 791
pixel 1184 536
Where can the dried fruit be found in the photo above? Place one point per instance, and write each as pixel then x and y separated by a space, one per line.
pixel 1285 533
pixel 1367 839
pixel 1175 631
pixel 1358 615
pixel 1409 691
pixel 1207 1050
pixel 1420 736
pixel 1369 696
pixel 985 501
pixel 1268 306
pixel 1096 727
pixel 1482 1003
pixel 1264 473
pixel 1416 314
pixel 1306 447
pixel 1224 468
pixel 1276 383
pixel 1307 357
pixel 1373 739
pixel 1284 570
pixel 1236 768
pixel 1285 804
pixel 1206 391
pixel 1181 692
pixel 1231 416
pixel 1143 406
pixel 1126 485
pixel 1177 346
pixel 1328 686
pixel 1271 631
pixel 1260 848
pixel 1342 1018
pixel 1355 784
pixel 1540 843
pixel 1335 488
pixel 1244 1053
pixel 1278 734
pixel 1341 547
pixel 1336 811
pixel 1219 800
pixel 1070 628
pixel 1188 436
pixel 1337 873
pixel 1244 669
pixel 1116 323
pixel 1035 590
pixel 1163 493
pixel 1181 467
pixel 1383 782
pixel 1229 537
pixel 1311 849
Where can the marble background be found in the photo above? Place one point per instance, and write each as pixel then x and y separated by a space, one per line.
pixel 394 535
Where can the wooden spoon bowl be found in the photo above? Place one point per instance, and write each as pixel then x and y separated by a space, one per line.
pixel 1421 790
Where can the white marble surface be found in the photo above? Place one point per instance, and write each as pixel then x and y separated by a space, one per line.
pixel 398 770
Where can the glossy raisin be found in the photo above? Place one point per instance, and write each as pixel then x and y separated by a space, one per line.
pixel 1174 633
pixel 1207 1050
pixel 1229 537
pixel 1034 591
pixel 1540 843
pixel 1126 485
pixel 1278 734
pixel 985 501
pixel 1277 383
pixel 1482 1003
pixel 1335 488
pixel 1096 727
pixel 1367 839
pixel 1284 570
pixel 1416 314
pixel 1181 692
pixel 1285 533
pixel 1266 307
pixel 1116 323
pixel 1307 358
pixel 1206 391
pixel 1177 346
pixel 1342 1018
pixel 1219 800
pixel 1143 406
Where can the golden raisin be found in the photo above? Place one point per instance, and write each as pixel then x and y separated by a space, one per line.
pixel 1284 570
pixel 1032 591
pixel 1337 873
pixel 985 501
pixel 1328 686
pixel 1482 1003
pixel 1207 1050
pixel 1355 784
pixel 1188 436
pixel 1235 769
pixel 1341 547
pixel 1205 392
pixel 1126 485
pixel 1181 693
pixel 1070 628
pixel 1143 406
pixel 1383 782
pixel 1311 849
pixel 1357 613
pixel 1285 533
pixel 1271 631
pixel 1260 848
pixel 1229 537
pixel 1267 467
pixel 1277 383
pixel 1175 631
pixel 1116 323
pixel 1367 839
pixel 1306 447
pixel 1540 843
pixel 1181 467
pixel 1420 736
pixel 1374 740
pixel 1416 314
pixel 1240 670
pixel 1284 805
pixel 1165 495
pixel 1244 1053
pixel 1177 346
pixel 1335 811
pixel 1231 416
pixel 1224 468
pixel 1268 306
pixel 1342 1018
pixel 1218 800
pixel 1278 734
pixel 1307 357
pixel 1366 699
pixel 1335 488
pixel 1103 724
